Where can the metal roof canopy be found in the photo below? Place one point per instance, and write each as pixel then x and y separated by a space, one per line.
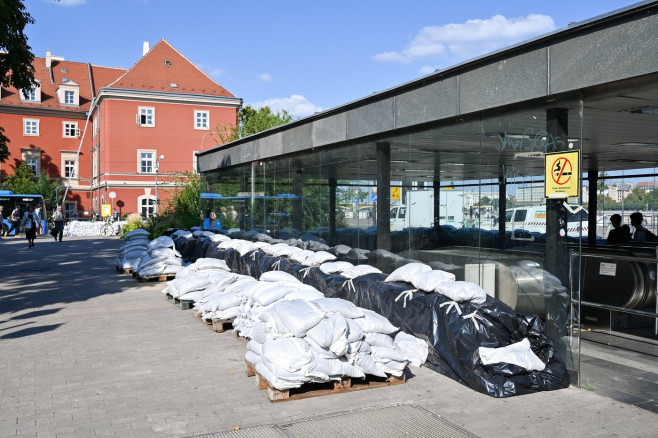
pixel 610 63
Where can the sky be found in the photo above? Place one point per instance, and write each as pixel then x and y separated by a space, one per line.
pixel 303 56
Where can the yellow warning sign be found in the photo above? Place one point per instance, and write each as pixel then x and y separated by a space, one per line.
pixel 395 194
pixel 106 210
pixel 562 174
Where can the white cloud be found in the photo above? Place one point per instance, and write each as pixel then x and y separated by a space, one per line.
pixel 71 2
pixel 298 106
pixel 266 77
pixel 459 41
pixel 216 72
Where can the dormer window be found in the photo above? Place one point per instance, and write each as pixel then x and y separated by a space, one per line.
pixel 32 94
pixel 167 63
pixel 68 93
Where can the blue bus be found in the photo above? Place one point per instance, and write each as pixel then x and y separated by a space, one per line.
pixel 9 200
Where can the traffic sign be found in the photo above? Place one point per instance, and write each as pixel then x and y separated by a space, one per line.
pixel 373 197
pixel 562 176
pixel 395 194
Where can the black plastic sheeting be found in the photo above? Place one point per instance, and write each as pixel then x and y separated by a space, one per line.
pixel 452 338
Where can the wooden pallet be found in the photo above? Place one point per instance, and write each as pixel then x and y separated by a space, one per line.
pixel 346 384
pixel 164 277
pixel 127 271
pixel 222 325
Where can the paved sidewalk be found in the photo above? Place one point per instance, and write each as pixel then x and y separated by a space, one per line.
pixel 86 351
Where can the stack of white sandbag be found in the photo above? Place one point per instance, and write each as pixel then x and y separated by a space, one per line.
pixel 273 286
pixel 297 341
pixel 192 280
pixel 162 259
pixel 219 300
pixel 136 247
pixel 84 228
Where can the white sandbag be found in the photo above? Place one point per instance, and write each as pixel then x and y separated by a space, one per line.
pixel 414 349
pixel 270 292
pixel 272 249
pixel 276 382
pixel 226 314
pixel 219 238
pixel 260 332
pixel 297 316
pixel 319 351
pixel 380 340
pixel 162 242
pixel 318 258
pixel 387 354
pixel 393 368
pixel 283 250
pixel 367 364
pixel 252 358
pixel 375 323
pixel 210 263
pixel 290 354
pixel 222 301
pixel 359 270
pixel 461 291
pixel 299 255
pixel 330 332
pixel 192 283
pixel 137 233
pixel 518 353
pixel 338 305
pixel 279 276
pixel 162 251
pixel 255 347
pixel 134 254
pixel 127 263
pixel 430 280
pixel 408 272
pixel 354 331
pixel 242 285
pixel 191 296
pixel 244 247
pixel 304 292
pixel 334 267
pixel 332 368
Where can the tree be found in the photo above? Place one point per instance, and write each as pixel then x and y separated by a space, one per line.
pixel 251 121
pixel 4 149
pixel 23 181
pixel 15 55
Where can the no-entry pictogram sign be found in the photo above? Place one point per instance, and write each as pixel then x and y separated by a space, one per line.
pixel 562 174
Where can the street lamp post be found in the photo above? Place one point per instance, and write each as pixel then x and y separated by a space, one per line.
pixel 157 168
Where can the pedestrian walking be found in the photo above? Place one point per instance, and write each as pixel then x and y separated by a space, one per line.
pixel 31 226
pixel 58 219
pixel 14 220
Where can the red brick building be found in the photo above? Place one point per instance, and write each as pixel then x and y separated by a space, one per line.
pixel 142 125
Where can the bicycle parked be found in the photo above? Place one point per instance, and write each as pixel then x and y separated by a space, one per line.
pixel 109 229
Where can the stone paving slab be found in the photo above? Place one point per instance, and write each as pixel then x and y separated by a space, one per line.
pixel 87 351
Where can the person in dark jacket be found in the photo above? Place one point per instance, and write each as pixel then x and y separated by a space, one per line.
pixel 619 233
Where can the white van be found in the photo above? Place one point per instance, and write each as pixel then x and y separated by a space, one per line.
pixel 532 218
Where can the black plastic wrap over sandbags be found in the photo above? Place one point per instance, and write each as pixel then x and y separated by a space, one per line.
pixel 454 340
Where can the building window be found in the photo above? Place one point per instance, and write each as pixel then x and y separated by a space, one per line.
pixel 69 97
pixel 29 95
pixel 34 164
pixel 70 207
pixel 32 158
pixel 146 116
pixel 70 129
pixel 69 168
pixel 201 119
pixel 146 163
pixel 30 126
pixel 146 206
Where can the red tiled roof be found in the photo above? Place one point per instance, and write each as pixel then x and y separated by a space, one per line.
pixel 163 66
pixel 77 72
